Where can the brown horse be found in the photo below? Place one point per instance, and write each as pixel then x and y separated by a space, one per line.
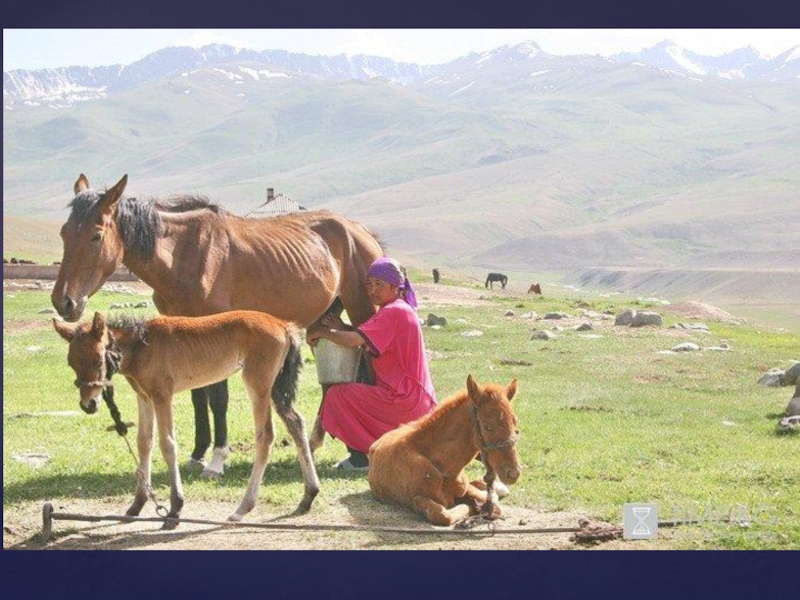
pixel 535 289
pixel 421 464
pixel 201 260
pixel 166 355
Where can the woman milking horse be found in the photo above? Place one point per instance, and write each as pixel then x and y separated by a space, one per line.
pixel 201 260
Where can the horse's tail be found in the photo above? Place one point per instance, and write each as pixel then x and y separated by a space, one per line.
pixel 284 390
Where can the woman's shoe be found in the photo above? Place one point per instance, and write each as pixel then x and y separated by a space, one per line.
pixel 347 465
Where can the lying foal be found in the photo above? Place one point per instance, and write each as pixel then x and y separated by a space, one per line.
pixel 421 464
pixel 166 355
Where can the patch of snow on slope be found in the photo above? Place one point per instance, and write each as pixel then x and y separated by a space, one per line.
pixel 679 57
pixel 461 89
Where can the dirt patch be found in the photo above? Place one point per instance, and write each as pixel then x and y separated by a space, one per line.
pixel 22 527
pixel 429 294
pixel 700 310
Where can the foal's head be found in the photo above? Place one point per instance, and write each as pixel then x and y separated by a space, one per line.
pixel 496 426
pixel 87 357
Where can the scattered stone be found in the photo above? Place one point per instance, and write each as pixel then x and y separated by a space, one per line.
pixel 472 333
pixel 686 347
pixel 556 315
pixel 32 459
pixel 729 424
pixel 509 313
pixel 557 328
pixel 434 320
pixel 590 314
pixel 722 348
pixel 790 423
pixel 692 326
pixel 144 304
pixel 792 374
pixel 462 321
pixel 772 378
pixel 33 348
pixel 516 363
pixel 625 318
pixel 666 352
pixel 542 335
pixel 793 409
pixel 644 319
pixel 528 315
pixel 584 327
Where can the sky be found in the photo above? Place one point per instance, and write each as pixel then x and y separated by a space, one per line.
pixel 52 48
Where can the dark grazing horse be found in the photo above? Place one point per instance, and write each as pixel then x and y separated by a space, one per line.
pixel 171 354
pixel 201 260
pixel 436 276
pixel 499 277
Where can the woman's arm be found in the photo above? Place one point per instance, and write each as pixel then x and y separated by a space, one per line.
pixel 351 339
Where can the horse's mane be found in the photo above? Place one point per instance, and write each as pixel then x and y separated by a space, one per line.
pixel 137 326
pixel 139 222
pixel 445 408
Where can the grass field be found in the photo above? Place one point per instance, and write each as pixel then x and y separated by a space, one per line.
pixel 605 420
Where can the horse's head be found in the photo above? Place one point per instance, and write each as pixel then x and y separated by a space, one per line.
pixel 86 356
pixel 496 427
pixel 93 247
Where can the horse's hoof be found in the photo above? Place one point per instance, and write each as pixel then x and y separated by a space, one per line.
pixel 169 524
pixel 209 474
pixel 235 518
pixel 194 466
pixel 501 488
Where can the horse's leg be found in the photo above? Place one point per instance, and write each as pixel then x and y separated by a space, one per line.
pixel 218 398
pixel 264 436
pixel 169 450
pixel 317 432
pixel 296 427
pixel 500 488
pixel 437 513
pixel 202 429
pixel 144 442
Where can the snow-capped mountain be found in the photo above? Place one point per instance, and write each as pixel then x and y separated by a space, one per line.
pixel 744 63
pixel 64 86
pixel 61 87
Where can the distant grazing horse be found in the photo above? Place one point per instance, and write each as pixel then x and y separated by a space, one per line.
pixel 421 464
pixel 492 277
pixel 436 276
pixel 535 289
pixel 172 354
pixel 201 260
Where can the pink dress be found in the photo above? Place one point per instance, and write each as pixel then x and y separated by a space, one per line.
pixel 357 413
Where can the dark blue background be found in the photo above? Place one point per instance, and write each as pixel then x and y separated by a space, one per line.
pixel 408 575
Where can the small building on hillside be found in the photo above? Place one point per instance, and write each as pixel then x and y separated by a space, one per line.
pixel 279 204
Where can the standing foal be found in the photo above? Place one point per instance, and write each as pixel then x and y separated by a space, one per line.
pixel 166 355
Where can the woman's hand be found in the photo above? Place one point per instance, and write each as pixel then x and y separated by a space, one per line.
pixel 333 322
pixel 314 333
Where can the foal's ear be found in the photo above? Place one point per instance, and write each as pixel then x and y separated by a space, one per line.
pixel 65 330
pixel 99 326
pixel 511 389
pixel 113 195
pixel 472 387
pixel 81 185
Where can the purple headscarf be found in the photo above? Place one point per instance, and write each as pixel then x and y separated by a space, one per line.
pixel 390 271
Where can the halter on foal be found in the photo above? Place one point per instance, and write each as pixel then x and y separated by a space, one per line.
pixel 171 354
pixel 421 464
